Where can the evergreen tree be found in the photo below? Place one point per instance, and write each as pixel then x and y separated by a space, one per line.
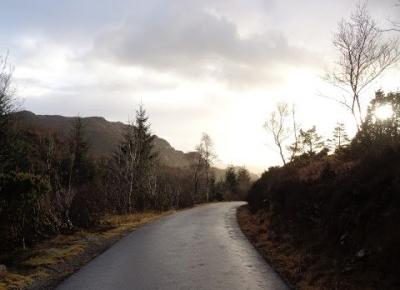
pixel 244 182
pixel 311 141
pixel 136 159
pixel 340 138
pixel 377 133
pixel 79 167
pixel 231 181
pixel 145 159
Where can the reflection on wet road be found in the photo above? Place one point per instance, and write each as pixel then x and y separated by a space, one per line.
pixel 200 248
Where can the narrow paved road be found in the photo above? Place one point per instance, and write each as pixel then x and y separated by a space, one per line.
pixel 200 248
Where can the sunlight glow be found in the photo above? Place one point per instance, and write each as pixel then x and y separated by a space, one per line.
pixel 384 112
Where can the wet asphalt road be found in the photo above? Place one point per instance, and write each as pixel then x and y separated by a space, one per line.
pixel 200 248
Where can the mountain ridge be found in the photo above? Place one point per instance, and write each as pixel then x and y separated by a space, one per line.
pixel 103 136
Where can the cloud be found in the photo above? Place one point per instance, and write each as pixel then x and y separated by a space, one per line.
pixel 193 42
pixel 197 65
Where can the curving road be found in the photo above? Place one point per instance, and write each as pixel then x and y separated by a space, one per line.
pixel 200 248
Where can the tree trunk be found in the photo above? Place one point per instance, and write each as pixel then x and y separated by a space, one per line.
pixel 281 153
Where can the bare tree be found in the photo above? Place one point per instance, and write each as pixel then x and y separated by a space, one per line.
pixel 125 158
pixel 197 166
pixel 206 158
pixel 6 92
pixel 7 106
pixel 364 54
pixel 294 148
pixel 277 125
pixel 209 157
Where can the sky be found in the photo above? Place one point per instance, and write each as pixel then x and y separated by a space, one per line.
pixel 212 66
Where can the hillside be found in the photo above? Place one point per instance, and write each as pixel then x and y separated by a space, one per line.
pixel 103 136
pixel 331 221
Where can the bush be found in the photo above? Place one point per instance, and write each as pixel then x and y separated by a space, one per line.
pixel 20 194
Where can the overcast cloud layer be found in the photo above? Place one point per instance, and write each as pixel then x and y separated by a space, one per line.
pixel 213 65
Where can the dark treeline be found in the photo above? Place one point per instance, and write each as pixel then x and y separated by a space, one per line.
pixel 343 208
pixel 235 184
pixel 50 184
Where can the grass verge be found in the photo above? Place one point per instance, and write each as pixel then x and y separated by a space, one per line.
pixel 46 264
pixel 301 269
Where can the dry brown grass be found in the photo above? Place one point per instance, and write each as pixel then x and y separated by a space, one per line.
pixel 290 262
pixel 313 170
pixel 16 281
pixel 121 223
pixel 302 270
pixel 37 264
pixel 53 256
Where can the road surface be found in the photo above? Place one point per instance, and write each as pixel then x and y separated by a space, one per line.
pixel 200 248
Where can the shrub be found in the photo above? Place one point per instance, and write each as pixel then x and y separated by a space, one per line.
pixel 19 211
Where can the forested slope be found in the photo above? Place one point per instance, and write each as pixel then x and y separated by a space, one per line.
pixel 340 211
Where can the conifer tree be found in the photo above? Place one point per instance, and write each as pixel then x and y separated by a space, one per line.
pixel 136 159
pixel 244 181
pixel 145 158
pixel 340 138
pixel 78 151
pixel 311 141
pixel 231 181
